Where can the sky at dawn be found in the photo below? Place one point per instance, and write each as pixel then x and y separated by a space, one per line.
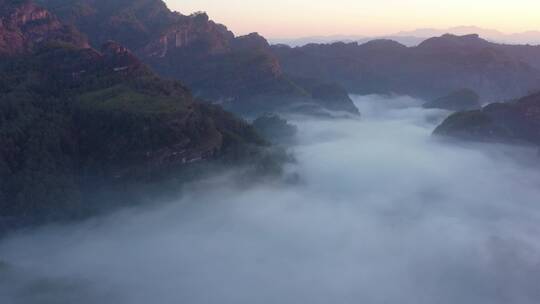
pixel 295 18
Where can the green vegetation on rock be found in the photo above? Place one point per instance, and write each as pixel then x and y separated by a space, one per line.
pixel 83 130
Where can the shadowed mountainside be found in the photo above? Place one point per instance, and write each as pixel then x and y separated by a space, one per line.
pixel 276 129
pixel 83 130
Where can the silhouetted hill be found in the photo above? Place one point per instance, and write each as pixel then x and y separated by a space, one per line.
pixel 512 122
pixel 435 68
pixel 415 37
pixel 451 43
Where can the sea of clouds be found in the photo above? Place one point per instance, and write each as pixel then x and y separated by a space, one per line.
pixel 383 213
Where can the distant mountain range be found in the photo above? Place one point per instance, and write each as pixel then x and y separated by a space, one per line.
pixel 432 69
pixel 415 37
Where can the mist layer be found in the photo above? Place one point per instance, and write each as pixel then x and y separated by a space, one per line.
pixel 383 213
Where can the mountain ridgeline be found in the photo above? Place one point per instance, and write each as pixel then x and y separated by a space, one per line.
pixel 241 73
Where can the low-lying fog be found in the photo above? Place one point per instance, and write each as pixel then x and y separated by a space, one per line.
pixel 383 214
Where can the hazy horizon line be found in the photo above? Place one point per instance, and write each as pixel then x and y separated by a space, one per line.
pixel 401 32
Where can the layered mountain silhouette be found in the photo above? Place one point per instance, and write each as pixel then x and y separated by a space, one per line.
pixel 436 67
pixel 525 38
pixel 241 73
pixel 81 128
pixel 417 36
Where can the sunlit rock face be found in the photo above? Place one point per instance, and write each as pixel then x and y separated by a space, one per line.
pixel 195 31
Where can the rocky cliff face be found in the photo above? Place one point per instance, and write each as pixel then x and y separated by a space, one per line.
pixel 241 73
pixel 435 68
pixel 196 33
pixel 513 122
pixel 130 22
pixel 24 26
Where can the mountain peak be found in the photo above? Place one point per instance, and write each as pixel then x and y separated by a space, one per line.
pixel 251 41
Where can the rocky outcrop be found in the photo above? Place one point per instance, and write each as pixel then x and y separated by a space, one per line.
pixel 119 58
pixel 514 122
pixel 462 100
pixel 131 22
pixel 25 26
pixel 432 69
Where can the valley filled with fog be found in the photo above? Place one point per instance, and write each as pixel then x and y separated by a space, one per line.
pixel 375 210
